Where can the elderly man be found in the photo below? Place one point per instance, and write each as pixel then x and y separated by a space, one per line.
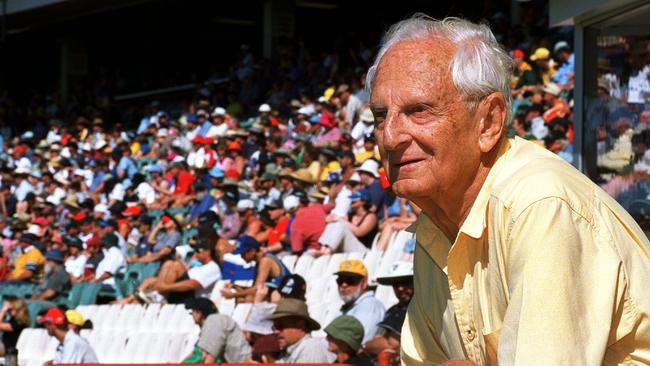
pixel 358 300
pixel 520 258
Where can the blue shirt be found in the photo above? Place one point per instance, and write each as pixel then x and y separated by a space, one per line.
pixel 378 196
pixel 205 128
pixel 98 178
pixel 562 74
pixel 201 207
pixel 369 311
pixel 127 165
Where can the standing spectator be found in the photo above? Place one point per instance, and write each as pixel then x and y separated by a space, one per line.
pixel 14 317
pixel 358 301
pixel 344 336
pixel 72 348
pixel 564 74
pixel 221 340
pixel 293 325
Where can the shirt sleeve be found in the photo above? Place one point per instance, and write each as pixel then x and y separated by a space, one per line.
pixel 206 274
pixel 565 287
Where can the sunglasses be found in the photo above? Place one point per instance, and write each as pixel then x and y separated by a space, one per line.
pixel 349 280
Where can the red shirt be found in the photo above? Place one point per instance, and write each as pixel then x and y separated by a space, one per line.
pixel 279 229
pixel 184 182
pixel 307 227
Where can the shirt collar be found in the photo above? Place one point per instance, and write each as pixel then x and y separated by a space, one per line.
pixel 475 223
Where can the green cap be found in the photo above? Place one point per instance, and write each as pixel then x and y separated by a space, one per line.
pixel 110 239
pixel 346 329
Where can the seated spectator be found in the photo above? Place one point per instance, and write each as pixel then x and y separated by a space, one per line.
pixel 138 238
pixel 112 262
pixel 269 270
pixel 203 201
pixel 14 317
pixel 293 326
pixel 400 277
pixel 308 225
pixel 354 233
pixel 29 265
pixel 230 215
pixel 369 176
pixel 95 256
pixel 164 238
pixel 280 221
pixel 175 283
pixel 57 280
pixel 75 262
pixel 358 301
pixel 221 340
pixel 407 215
pixel 344 336
pixel 72 348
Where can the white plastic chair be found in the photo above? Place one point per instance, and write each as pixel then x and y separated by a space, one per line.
pixel 303 265
pixel 371 261
pixel 290 261
pixel 335 262
pixel 318 267
pixel 240 315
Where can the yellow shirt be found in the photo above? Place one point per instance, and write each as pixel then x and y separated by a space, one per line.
pixel 547 269
pixel 32 260
pixel 332 166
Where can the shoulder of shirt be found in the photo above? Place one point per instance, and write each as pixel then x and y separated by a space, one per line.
pixel 532 174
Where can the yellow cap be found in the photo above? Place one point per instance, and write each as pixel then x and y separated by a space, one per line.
pixel 540 54
pixel 75 317
pixel 354 266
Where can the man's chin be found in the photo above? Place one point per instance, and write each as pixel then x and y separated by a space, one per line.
pixel 407 188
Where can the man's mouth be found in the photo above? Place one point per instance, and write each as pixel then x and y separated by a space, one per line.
pixel 406 162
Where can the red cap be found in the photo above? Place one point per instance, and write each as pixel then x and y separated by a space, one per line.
pixel 198 139
pixel 79 216
pixel 234 145
pixel 20 149
pixel 208 140
pixel 518 54
pixel 132 211
pixel 165 219
pixel 40 221
pixel 54 316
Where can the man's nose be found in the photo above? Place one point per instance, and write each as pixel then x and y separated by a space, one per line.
pixel 393 135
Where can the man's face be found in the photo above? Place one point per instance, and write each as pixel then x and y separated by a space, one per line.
pixel 366 178
pixel 351 287
pixel 289 330
pixel 50 329
pixel 427 139
pixel 403 291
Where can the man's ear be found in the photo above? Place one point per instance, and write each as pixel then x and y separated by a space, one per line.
pixel 492 124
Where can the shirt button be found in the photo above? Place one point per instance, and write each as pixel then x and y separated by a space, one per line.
pixel 471 335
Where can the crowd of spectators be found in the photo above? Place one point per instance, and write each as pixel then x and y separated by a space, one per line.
pixel 222 188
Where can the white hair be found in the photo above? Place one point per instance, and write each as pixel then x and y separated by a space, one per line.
pixel 479 67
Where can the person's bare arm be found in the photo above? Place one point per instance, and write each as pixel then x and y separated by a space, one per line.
pixel 45 295
pixel 182 286
pixel 27 274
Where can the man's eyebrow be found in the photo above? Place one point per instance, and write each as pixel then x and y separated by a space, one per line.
pixel 376 107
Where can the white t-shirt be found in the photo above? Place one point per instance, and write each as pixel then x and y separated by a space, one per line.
pixel 207 275
pixel 74 350
pixel 113 261
pixel 75 266
pixel 146 192
pixel 117 193
pixel 217 131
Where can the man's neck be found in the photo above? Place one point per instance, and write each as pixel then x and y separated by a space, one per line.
pixel 60 334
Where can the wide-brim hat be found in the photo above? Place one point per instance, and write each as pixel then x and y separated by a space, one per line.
pixel 295 308
pixel 303 175
pixel 398 272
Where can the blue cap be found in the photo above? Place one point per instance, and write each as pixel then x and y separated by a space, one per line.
pixel 245 243
pixel 333 177
pixel 216 173
pixel 314 119
pixel 155 168
pixel 191 118
pixel 55 255
pixel 361 194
